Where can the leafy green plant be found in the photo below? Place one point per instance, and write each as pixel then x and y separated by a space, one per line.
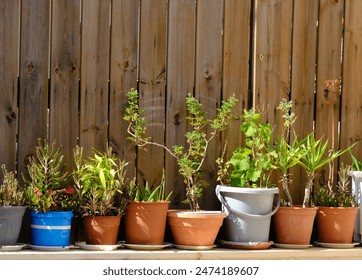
pixel 342 197
pixel 190 158
pixel 11 194
pixel 252 164
pixel 46 185
pixel 145 194
pixel 99 183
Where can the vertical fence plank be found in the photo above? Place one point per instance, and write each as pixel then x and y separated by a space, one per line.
pixel 9 55
pixel 303 78
pixel 235 79
pixel 123 76
pixel 94 74
pixel 208 80
pixel 152 79
pixel 329 68
pixel 64 77
pixel 180 82
pixel 33 100
pixel 351 112
pixel 272 56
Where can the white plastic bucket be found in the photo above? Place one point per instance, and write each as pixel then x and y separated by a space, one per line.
pixel 248 212
pixel 357 191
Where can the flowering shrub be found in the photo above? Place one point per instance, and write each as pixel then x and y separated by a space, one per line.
pixel 46 188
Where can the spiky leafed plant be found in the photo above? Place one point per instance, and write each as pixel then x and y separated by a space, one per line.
pixel 46 189
pixel 315 157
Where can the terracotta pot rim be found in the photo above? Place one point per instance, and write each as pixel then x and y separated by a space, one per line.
pixel 300 207
pixel 196 214
pixel 336 207
pixel 149 202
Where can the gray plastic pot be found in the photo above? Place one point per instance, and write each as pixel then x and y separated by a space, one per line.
pixel 11 219
pixel 248 212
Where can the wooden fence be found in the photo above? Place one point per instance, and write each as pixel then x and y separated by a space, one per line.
pixel 66 65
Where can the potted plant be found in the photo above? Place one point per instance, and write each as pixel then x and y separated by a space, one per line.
pixel 187 227
pixel 12 207
pixel 337 210
pixel 146 215
pixel 49 199
pixel 293 224
pixel 245 190
pixel 356 175
pixel 99 183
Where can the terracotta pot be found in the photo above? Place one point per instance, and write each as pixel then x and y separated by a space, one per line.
pixel 294 225
pixel 101 230
pixel 145 222
pixel 195 228
pixel 336 224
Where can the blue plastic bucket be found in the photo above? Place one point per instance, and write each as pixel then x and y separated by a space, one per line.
pixel 51 228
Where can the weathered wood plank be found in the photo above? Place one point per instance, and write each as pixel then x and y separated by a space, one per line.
pixel 123 76
pixel 329 69
pixel 208 83
pixel 152 85
pixel 180 82
pixel 351 109
pixel 64 77
pixel 237 55
pixel 303 77
pixel 9 55
pixel 34 61
pixel 272 57
pixel 94 74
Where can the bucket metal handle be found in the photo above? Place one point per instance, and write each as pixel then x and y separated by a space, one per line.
pixel 246 215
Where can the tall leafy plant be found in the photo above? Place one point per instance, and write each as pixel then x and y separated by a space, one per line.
pixel 99 183
pixel 252 163
pixel 191 157
pixel 289 152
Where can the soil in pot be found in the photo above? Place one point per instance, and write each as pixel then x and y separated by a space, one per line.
pixel 294 225
pixel 101 230
pixel 336 224
pixel 145 222
pixel 195 228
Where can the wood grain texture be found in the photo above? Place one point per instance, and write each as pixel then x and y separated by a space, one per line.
pixel 273 31
pixel 94 74
pixel 9 55
pixel 152 86
pixel 303 78
pixel 64 77
pixel 66 66
pixel 236 63
pixel 351 107
pixel 180 82
pixel 208 81
pixel 33 92
pixel 329 69
pixel 123 76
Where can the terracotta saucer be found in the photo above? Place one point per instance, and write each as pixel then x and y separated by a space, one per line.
pixel 247 245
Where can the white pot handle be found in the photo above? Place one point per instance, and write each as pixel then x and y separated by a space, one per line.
pixel 246 215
